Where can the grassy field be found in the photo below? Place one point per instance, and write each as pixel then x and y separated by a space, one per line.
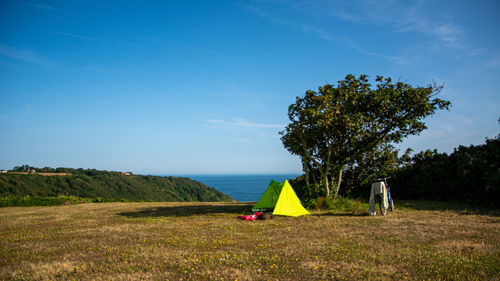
pixel 205 241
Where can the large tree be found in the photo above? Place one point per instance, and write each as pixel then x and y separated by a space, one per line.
pixel 339 125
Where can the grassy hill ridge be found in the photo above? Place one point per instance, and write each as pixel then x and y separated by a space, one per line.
pixel 108 185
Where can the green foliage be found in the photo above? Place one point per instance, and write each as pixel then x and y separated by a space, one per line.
pixel 345 124
pixel 307 191
pixel 379 163
pixel 325 203
pixel 39 200
pixel 338 204
pixel 23 168
pixel 104 186
pixel 469 174
pixel 26 201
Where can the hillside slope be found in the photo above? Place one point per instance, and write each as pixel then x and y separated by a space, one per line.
pixel 109 185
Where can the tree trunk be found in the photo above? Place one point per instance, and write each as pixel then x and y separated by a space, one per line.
pixel 338 182
pixel 333 183
pixel 314 178
pixel 327 186
pixel 324 181
pixel 306 170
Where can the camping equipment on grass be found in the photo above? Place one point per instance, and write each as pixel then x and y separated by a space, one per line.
pixel 389 196
pixel 266 216
pixel 251 217
pixel 280 198
pixel 380 193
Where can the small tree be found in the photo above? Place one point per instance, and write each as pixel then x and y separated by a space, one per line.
pixel 340 125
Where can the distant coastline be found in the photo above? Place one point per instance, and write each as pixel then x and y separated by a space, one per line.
pixel 241 187
pixel 23 181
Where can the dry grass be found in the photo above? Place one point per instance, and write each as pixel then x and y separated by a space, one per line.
pixel 205 241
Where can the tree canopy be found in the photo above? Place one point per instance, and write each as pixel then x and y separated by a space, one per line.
pixel 342 124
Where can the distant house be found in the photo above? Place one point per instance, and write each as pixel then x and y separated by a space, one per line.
pixel 126 173
pixel 3 172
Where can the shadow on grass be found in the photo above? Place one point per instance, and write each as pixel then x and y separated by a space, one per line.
pixel 189 210
pixel 460 208
pixel 335 214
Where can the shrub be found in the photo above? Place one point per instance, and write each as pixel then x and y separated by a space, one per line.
pixel 32 201
pixel 339 204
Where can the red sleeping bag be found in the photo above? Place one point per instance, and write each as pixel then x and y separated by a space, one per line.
pixel 251 217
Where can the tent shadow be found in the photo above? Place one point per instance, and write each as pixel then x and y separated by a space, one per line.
pixel 190 210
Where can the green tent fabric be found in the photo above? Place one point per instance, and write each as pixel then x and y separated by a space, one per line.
pixel 281 197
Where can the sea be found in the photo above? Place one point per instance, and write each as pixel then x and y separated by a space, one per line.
pixel 243 188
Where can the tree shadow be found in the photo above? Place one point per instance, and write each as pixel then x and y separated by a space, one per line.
pixel 334 214
pixel 190 210
pixel 457 207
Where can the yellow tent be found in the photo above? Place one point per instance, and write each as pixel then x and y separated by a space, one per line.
pixel 280 197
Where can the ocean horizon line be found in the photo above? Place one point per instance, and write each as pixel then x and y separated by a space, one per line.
pixel 243 187
pixel 224 175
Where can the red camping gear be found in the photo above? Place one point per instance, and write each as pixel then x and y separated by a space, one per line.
pixel 251 217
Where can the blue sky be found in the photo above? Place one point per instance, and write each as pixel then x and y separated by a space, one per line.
pixel 203 87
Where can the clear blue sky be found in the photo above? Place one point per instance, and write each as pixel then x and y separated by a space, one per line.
pixel 202 87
